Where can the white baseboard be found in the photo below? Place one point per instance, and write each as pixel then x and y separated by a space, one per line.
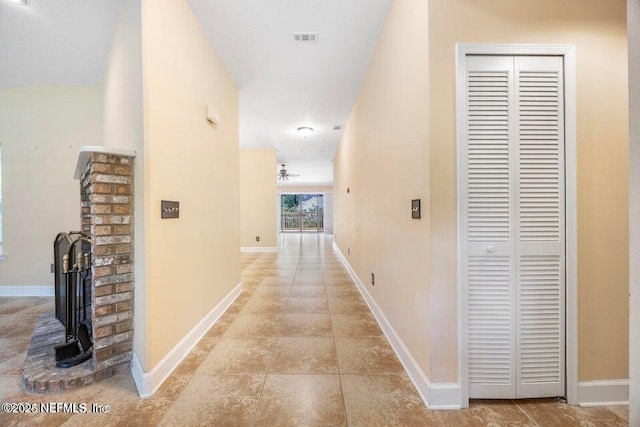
pixel 148 383
pixel 252 249
pixel 143 381
pixel 437 395
pixel 27 291
pixel 603 393
pixel 444 396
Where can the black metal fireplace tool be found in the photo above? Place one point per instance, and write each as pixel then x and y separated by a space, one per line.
pixel 73 295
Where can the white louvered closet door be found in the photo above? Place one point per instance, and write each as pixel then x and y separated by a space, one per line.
pixel 514 226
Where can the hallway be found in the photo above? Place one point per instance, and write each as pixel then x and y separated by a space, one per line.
pixel 298 347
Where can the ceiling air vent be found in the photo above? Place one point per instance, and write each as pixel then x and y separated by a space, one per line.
pixel 305 37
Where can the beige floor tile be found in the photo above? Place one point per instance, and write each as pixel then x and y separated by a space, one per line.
pixel 277 281
pixel 239 356
pixel 301 400
pixel 19 325
pixel 342 292
pixel 304 355
pixel 254 276
pixel 306 324
pixel 10 347
pixel 385 400
pixel 196 356
pixel 276 273
pixel 335 281
pixel 239 303
pixel 10 391
pixel 216 401
pixel 308 292
pixel 337 274
pixel 12 365
pixel 126 406
pixel 368 355
pixel 349 305
pixel 272 292
pixel 255 325
pixel 250 283
pixel 308 281
pixel 355 325
pixel 621 411
pixel 548 412
pixel 259 305
pixel 12 305
pixel 221 325
pixel 487 412
pixel 307 305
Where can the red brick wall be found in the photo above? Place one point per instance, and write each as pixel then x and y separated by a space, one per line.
pixel 106 190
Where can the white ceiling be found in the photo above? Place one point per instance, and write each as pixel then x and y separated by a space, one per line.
pixel 56 42
pixel 311 173
pixel 285 85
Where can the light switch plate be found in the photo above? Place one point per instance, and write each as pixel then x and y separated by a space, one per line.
pixel 170 209
pixel 415 209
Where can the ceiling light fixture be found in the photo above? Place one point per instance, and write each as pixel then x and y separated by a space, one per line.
pixel 18 2
pixel 305 131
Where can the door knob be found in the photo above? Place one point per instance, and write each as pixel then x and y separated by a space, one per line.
pixel 491 249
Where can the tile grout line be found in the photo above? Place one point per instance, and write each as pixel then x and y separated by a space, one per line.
pixel 526 414
pixel 335 346
pixel 264 383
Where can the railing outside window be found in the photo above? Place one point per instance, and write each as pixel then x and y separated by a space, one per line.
pixel 302 221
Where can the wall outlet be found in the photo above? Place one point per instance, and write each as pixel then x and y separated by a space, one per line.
pixel 348 251
pixel 257 238
pixel 373 279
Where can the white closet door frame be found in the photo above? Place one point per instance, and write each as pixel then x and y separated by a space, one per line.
pixel 571 309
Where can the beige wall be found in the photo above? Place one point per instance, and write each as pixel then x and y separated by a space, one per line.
pixel 258 198
pixel 122 127
pixel 383 158
pixel 597 28
pixel 194 261
pixel 122 120
pixel 41 129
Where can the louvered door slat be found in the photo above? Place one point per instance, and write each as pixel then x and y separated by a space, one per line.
pixel 540 333
pixel 488 155
pixel 490 314
pixel 534 156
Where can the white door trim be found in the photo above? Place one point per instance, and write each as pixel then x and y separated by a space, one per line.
pixel 571 238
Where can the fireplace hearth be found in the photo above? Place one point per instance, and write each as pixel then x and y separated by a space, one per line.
pixel 89 337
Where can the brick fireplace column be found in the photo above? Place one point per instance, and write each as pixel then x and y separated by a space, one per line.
pixel 106 191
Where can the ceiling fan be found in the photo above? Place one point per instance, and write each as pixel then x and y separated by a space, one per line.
pixel 283 175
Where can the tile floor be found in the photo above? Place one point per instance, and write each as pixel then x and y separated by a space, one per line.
pixel 299 347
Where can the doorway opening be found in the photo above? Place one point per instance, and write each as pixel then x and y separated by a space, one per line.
pixel 302 213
